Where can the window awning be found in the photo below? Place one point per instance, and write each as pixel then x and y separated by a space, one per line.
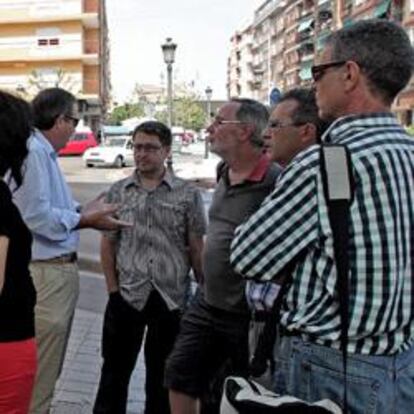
pixel 322 38
pixel 305 72
pixel 305 25
pixel 325 5
pixel 382 9
pixel 348 22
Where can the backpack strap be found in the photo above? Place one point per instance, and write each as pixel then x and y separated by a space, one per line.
pixel 338 187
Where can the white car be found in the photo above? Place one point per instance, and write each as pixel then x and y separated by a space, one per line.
pixel 114 152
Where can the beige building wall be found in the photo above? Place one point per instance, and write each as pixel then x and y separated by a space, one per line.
pixel 28 10
pixel 46 43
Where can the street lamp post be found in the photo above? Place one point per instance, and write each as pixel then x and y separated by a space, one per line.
pixel 168 50
pixel 209 94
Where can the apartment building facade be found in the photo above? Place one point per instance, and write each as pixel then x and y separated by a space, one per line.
pixel 240 75
pixel 252 64
pixel 285 37
pixel 45 43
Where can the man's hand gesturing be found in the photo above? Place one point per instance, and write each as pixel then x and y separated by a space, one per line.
pixel 99 215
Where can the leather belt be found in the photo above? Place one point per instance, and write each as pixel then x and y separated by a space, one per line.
pixel 65 258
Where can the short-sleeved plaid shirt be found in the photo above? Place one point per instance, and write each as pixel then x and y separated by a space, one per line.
pixel 292 226
pixel 154 252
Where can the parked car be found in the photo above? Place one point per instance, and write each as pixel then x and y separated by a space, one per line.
pixel 79 143
pixel 182 137
pixel 113 152
pixel 187 137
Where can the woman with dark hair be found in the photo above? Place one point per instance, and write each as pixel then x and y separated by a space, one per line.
pixel 17 293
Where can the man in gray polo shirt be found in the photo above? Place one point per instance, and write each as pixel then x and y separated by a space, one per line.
pixel 147 270
pixel 215 328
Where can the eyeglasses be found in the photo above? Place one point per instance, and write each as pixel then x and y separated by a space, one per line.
pixel 151 148
pixel 73 119
pixel 318 71
pixel 219 122
pixel 276 124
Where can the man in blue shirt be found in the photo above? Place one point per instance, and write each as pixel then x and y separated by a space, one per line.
pixel 46 204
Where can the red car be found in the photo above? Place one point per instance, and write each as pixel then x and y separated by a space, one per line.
pixel 79 143
pixel 188 138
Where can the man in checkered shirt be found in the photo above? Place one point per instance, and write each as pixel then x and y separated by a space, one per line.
pixel 361 70
pixel 294 125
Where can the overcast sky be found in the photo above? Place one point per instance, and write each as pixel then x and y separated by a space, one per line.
pixel 201 29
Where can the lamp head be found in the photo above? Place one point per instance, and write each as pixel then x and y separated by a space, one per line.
pixel 168 50
pixel 209 93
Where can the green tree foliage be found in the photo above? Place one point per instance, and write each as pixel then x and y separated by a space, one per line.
pixel 410 129
pixel 162 116
pixel 189 114
pixel 125 111
pixel 186 113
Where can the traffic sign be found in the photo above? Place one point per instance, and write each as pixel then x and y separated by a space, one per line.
pixel 274 96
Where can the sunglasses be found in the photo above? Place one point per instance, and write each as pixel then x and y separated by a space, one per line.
pixel 73 119
pixel 220 122
pixel 318 71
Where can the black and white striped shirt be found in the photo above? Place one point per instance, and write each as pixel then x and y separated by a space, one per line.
pixel 292 226
pixel 154 252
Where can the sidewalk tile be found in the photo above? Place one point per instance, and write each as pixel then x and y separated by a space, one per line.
pixel 76 388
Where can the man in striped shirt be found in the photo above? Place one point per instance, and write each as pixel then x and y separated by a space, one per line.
pixel 362 69
pixel 147 270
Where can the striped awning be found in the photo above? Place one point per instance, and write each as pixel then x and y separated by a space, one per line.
pixel 305 25
pixel 382 8
pixel 305 72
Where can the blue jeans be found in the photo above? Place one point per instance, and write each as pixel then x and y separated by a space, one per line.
pixel 376 384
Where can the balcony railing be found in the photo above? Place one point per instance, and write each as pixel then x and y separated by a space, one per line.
pixel 267 9
pixel 35 47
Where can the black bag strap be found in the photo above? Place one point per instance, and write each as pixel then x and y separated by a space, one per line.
pixel 338 187
pixel 263 353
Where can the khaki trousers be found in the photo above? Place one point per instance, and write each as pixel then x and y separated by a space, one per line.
pixel 57 287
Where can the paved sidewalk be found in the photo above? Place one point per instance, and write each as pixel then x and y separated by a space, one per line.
pixel 76 389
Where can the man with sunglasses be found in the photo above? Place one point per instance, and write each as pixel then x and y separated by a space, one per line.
pixel 46 204
pixel 147 270
pixel 214 329
pixel 362 69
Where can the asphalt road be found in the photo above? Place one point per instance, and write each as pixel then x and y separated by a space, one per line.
pixel 89 239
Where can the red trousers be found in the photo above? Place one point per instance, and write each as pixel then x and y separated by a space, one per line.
pixel 17 373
